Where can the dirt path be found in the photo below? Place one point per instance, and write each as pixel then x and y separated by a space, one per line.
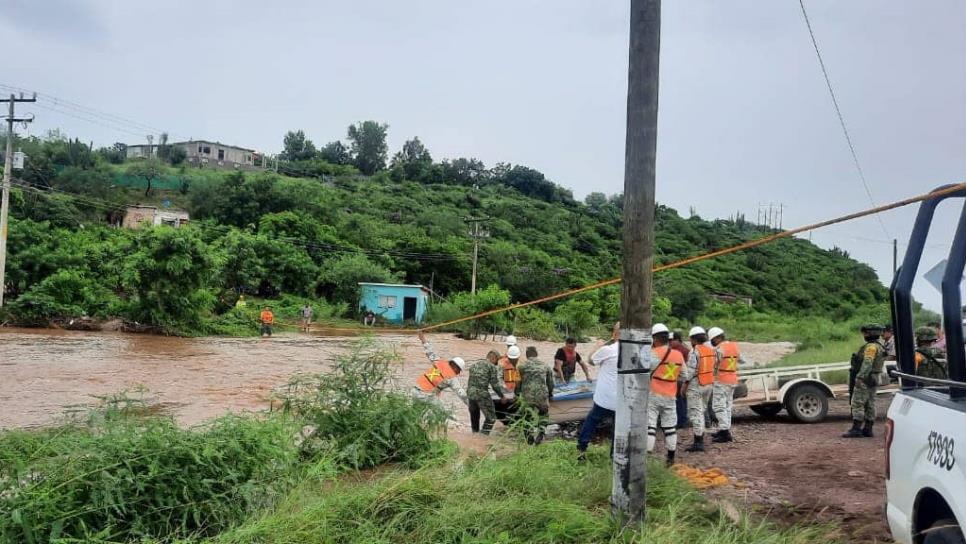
pixel 805 473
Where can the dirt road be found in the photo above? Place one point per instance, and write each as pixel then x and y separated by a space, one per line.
pixel 805 473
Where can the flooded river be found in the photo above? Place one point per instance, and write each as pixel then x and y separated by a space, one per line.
pixel 45 373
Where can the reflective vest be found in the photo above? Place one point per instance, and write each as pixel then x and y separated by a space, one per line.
pixel 664 379
pixel 435 375
pixel 511 376
pixel 728 367
pixel 706 358
pixel 267 317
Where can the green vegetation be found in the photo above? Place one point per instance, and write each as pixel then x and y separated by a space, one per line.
pixel 317 228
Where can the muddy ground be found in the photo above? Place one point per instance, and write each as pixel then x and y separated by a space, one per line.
pixel 792 472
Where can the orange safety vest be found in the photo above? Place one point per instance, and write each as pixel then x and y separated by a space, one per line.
pixel 267 317
pixel 511 376
pixel 728 367
pixel 664 379
pixel 706 358
pixel 437 374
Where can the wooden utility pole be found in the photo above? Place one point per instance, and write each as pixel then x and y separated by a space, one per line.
pixel 7 174
pixel 476 234
pixel 634 368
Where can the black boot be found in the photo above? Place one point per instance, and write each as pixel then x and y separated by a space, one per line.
pixel 855 431
pixel 670 458
pixel 867 430
pixel 722 436
pixel 698 444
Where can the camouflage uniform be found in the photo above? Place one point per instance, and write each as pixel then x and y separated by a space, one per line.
pixel 536 388
pixel 929 358
pixel 483 375
pixel 870 358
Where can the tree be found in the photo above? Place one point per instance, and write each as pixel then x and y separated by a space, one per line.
pixel 369 146
pixel 164 150
pixel 177 155
pixel 148 170
pixel 297 147
pixel 530 182
pixel 114 154
pixel 336 153
pixel 413 163
pixel 687 302
pixel 339 277
pixel 463 171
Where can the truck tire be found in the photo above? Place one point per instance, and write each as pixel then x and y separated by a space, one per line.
pixel 771 409
pixel 944 531
pixel 807 403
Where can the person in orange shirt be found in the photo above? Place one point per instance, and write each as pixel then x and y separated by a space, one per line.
pixel 662 405
pixel 268 319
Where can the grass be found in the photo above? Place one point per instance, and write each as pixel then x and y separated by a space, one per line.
pixel 539 495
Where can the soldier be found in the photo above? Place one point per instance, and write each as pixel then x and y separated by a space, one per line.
pixel 929 362
pixel 866 366
pixel 699 375
pixel 725 381
pixel 483 375
pixel 662 406
pixel 536 390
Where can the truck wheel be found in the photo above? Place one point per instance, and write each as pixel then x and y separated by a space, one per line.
pixel 767 410
pixel 807 404
pixel 944 531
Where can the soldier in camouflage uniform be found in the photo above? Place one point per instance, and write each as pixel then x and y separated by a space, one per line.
pixel 484 375
pixel 536 389
pixel 866 367
pixel 929 359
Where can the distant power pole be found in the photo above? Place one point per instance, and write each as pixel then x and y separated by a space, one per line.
pixel 640 157
pixel 7 174
pixel 895 257
pixel 476 234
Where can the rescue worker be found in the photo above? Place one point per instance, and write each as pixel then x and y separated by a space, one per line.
pixel 867 364
pixel 682 405
pixel 929 361
pixel 441 376
pixel 484 376
pixel 699 375
pixel 725 381
pixel 605 391
pixel 508 366
pixel 565 362
pixel 662 404
pixel 268 319
pixel 536 391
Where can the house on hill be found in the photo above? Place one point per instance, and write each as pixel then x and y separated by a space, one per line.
pixel 394 303
pixel 136 215
pixel 206 154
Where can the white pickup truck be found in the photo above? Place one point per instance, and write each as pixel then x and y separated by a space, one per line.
pixel 926 425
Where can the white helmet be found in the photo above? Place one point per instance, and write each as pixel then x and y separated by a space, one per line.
pixel 513 353
pixel 511 340
pixel 658 328
pixel 715 332
pixel 695 331
pixel 458 361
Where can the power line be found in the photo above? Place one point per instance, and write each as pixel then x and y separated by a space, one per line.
pixel 838 112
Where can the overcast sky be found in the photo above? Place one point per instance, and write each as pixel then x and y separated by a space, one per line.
pixel 745 115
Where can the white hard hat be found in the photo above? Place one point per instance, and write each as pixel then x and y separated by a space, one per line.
pixel 658 328
pixel 695 331
pixel 715 332
pixel 513 353
pixel 511 340
pixel 458 361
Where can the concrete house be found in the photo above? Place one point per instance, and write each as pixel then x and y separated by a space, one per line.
pixel 394 303
pixel 137 215
pixel 205 154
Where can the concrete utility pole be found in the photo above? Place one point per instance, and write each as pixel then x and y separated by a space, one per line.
pixel 7 174
pixel 634 367
pixel 895 257
pixel 476 234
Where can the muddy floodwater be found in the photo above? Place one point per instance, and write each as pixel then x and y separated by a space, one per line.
pixel 46 373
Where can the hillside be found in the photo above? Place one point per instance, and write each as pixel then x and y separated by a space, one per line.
pixel 271 235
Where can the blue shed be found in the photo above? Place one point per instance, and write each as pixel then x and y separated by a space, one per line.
pixel 394 303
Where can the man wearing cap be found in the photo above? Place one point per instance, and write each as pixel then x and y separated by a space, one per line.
pixel 929 363
pixel 699 375
pixel 442 375
pixel 866 366
pixel 662 404
pixel 725 381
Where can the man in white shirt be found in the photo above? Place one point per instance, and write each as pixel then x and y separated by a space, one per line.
pixel 605 393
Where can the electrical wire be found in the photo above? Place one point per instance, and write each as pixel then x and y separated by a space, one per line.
pixel 838 112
